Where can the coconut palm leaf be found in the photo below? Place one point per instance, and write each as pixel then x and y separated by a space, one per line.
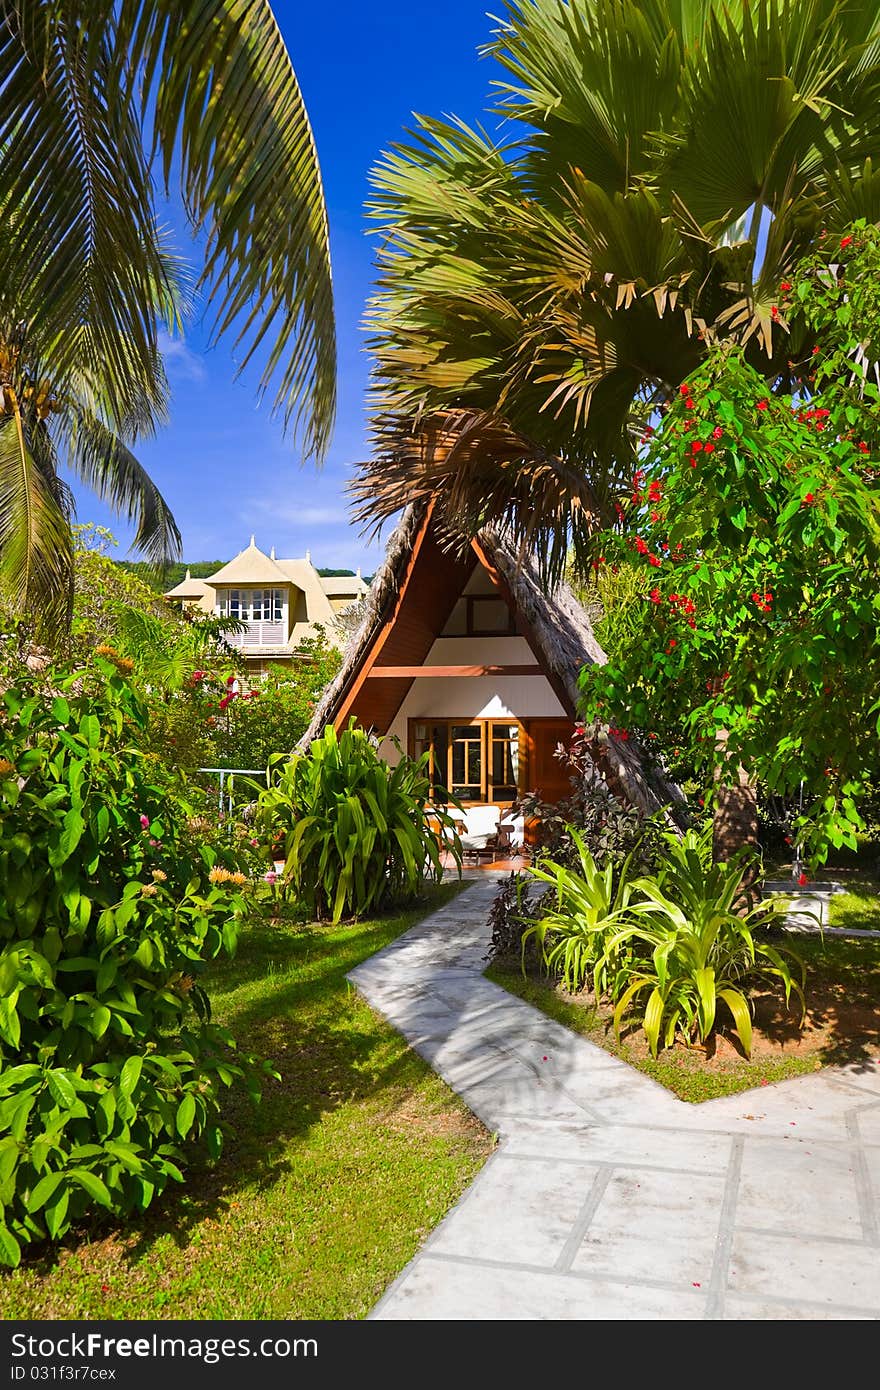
pixel 110 469
pixel 36 558
pixel 95 93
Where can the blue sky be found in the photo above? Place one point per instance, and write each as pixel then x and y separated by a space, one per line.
pixel 225 467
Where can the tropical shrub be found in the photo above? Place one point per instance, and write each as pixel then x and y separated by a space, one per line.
pixel 355 829
pixel 589 904
pixel 689 944
pixel 609 829
pixel 274 714
pixel 110 908
pixel 669 948
pixel 512 909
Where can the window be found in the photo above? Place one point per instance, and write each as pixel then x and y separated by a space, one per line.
pixel 252 605
pixel 477 761
pixel 488 615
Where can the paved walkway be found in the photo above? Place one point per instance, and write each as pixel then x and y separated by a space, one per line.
pixel 607 1197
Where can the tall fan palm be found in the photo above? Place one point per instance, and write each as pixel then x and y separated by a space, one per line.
pixel 95 93
pixel 539 297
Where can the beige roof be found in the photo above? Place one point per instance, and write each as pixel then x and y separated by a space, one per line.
pixel 338 585
pixel 251 566
pixel 189 588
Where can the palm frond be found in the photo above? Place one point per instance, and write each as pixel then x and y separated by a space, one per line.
pixel 106 465
pixel 36 553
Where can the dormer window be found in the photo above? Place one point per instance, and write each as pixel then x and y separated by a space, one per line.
pixel 252 605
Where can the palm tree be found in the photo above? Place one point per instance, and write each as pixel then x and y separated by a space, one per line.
pixel 99 96
pixel 664 163
pixel 539 297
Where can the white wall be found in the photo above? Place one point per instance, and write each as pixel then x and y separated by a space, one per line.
pixel 475 697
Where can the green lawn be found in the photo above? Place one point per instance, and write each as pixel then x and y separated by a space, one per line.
pixel 843 990
pixel 322 1194
pixel 858 908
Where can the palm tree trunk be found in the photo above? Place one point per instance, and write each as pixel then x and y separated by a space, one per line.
pixel 735 823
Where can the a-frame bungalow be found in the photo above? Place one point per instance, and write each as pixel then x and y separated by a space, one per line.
pixel 465 656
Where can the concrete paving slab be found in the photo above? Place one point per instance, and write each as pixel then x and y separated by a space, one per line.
pixel 610 1198
pixel 806 1269
pixel 450 1291
pixel 654 1225
pixel 520 1213
pixel 799 1187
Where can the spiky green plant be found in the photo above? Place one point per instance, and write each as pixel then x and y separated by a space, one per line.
pixel 689 945
pixel 571 936
pixel 356 829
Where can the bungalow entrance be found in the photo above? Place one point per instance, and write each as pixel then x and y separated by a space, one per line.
pixel 463 655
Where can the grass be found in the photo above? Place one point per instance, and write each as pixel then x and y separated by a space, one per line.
pixel 323 1192
pixel 843 987
pixel 858 909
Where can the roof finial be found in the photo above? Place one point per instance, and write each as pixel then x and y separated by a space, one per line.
pixel 308 557
pixel 358 575
pixel 272 553
pixel 253 540
pixel 188 575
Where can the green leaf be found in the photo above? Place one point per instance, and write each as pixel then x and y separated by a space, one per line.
pixel 10 1250
pixel 43 1191
pixel 130 1075
pixel 61 1088
pixel 92 1184
pixel 186 1113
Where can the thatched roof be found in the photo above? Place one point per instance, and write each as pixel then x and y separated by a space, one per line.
pixel 560 630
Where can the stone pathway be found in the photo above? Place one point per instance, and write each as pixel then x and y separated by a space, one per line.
pixel 607 1197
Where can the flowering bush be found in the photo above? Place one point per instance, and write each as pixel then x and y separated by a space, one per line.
pixel 752 518
pixel 110 908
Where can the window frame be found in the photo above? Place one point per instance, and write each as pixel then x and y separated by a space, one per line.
pixel 486 727
pixel 473 601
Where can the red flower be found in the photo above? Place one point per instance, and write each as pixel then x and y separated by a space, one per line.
pixel 717 432
pixel 655 516
pixel 862 447
pixel 672 643
pixel 696 446
pixel 653 560
pixel 684 389
pixel 809 500
pixel 641 547
pixel 230 680
pixel 762 405
pixel 774 312
pixel 785 286
pixel 225 701
pixel 654 491
pixel 708 448
pixel 844 242
pixel 654 596
pixel 803 880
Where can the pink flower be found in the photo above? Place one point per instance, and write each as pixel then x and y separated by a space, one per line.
pixel 145 822
pixel 230 680
pixel 271 876
pixel 255 844
pixel 225 701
